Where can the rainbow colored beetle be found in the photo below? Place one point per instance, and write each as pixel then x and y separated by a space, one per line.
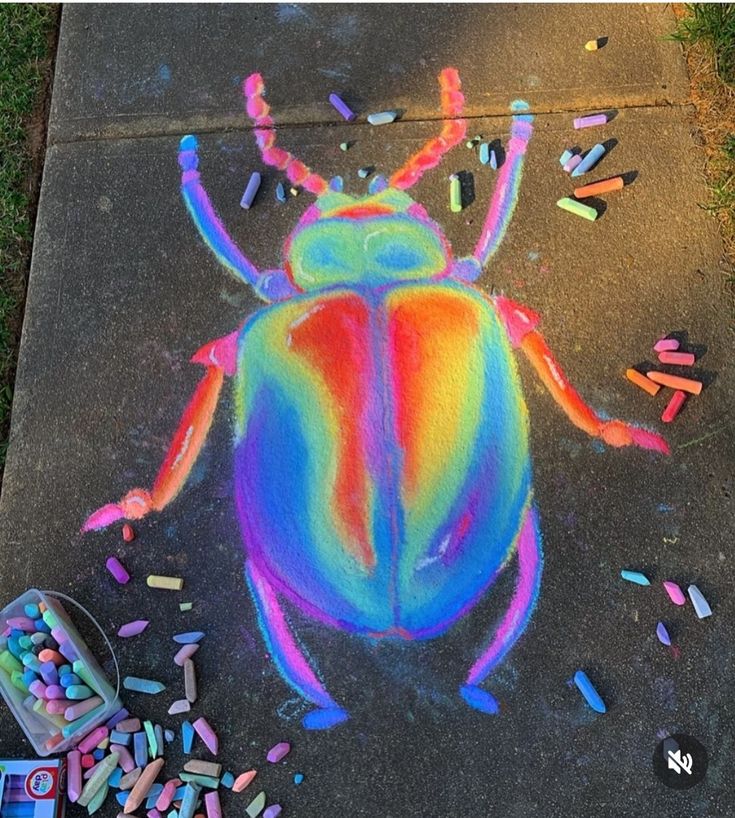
pixel 382 469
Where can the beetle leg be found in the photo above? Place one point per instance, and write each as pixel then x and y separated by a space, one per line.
pixel 288 656
pixel 512 625
pixel 613 432
pixel 220 359
pixel 505 195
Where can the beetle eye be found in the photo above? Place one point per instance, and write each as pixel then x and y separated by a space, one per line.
pixel 400 257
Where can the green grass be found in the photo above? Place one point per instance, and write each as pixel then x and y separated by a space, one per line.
pixel 25 32
pixel 713 24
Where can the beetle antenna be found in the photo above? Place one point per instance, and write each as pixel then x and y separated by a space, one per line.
pixel 452 133
pixel 265 135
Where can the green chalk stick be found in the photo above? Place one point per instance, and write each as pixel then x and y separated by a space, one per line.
pixel 579 209
pixel 208 781
pixel 9 663
pixel 152 742
pixel 83 672
pixel 455 194
pixel 99 780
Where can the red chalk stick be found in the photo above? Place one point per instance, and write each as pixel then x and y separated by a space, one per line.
pixel 674 406
pixel 128 533
pixel 678 358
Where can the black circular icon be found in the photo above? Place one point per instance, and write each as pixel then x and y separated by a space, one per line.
pixel 680 761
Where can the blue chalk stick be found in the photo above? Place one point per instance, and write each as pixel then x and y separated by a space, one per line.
pixel 115 778
pixel 227 780
pixel 635 576
pixel 116 737
pixel 32 611
pixel 484 153
pixel 493 160
pixel 280 193
pixel 187 736
pixel 152 796
pixel 701 606
pixel 382 118
pixel 565 157
pixel 41 626
pixel 69 679
pixel 188 638
pixel 122 797
pixel 158 732
pixel 98 755
pixel 169 735
pixel 586 688
pixel 590 160
pixel 252 188
pixel 663 634
pixel 139 685
pixel 140 749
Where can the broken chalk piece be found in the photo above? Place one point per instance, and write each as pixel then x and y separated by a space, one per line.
pixel 165 583
pixel 579 209
pixel 484 153
pixel 298 778
pixel 591 158
pixel 273 811
pixel 344 146
pixel 132 628
pixel 587 689
pixel 590 121
pixel 139 685
pixel 186 652
pixel 341 106
pixel 255 807
pixel 676 595
pixel 128 533
pixel 596 188
pixel 634 376
pixel 187 736
pixel 677 358
pixel 455 193
pixel 278 751
pixel 573 162
pixel 115 567
pixel 212 805
pixel 227 780
pixel 675 382
pixel 143 786
pixel 190 681
pixel 207 734
pixel 382 117
pixel 189 637
pixel 663 634
pixel 666 345
pixel 673 407
pixel 186 606
pixel 252 188
pixel 363 173
pixel 701 606
pixel 635 576
pixel 280 196
pixel 179 706
pixel 243 780
pixel 591 45
pixel 493 160
pixel 565 157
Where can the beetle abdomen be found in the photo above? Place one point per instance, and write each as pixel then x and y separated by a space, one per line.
pixel 382 461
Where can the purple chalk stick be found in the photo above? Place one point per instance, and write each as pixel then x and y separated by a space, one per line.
pixel 115 567
pixel 273 811
pixel 278 751
pixel 663 634
pixel 185 653
pixel 68 651
pixel 133 628
pixel 49 673
pixel 590 121
pixel 113 721
pixel 342 107
pixel 573 162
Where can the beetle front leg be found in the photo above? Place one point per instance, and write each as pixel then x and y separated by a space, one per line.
pixel 289 658
pixel 220 359
pixel 512 625
pixel 613 432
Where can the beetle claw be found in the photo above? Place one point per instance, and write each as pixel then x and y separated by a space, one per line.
pixel 479 699
pixel 324 717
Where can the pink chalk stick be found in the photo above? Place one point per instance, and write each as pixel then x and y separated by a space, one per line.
pixel 59 634
pixel 278 751
pixel 167 794
pixel 677 358
pixel 133 628
pixel 88 743
pixel 38 688
pixel 244 780
pixel 666 345
pixel 207 735
pixel 153 813
pixel 573 162
pixel 673 407
pixel 57 707
pixel 22 623
pixel 185 653
pixel 91 771
pixel 115 567
pixel 211 802
pixel 74 775
pixel 55 692
pixel 675 593
pixel 80 708
pixel 126 761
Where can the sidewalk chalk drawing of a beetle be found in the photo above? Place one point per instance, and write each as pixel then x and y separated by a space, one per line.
pixel 382 474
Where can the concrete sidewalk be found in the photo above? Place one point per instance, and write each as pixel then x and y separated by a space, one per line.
pixel 123 292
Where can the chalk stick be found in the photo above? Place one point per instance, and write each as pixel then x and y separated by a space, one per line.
pixel 673 407
pixel 278 752
pixel 227 780
pixel 179 706
pixel 132 628
pixel 634 376
pixel 139 685
pixel 243 780
pixel 208 781
pixel 116 568
pixel 587 689
pixel 677 358
pixel 666 345
pixel 212 805
pixel 127 762
pixel 143 785
pixel 272 811
pixel 663 634
pixel 98 780
pixel 455 194
pixel 188 803
pixel 207 734
pixel 88 743
pixel 165 583
pixel 675 382
pixel 591 45
pixel 676 595
pixel 382 117
pixel 150 735
pixel 187 736
pixel 140 744
pixel 186 652
pixel 590 121
pixel 298 778
pixel 635 577
pixel 129 725
pixel 484 153
pixel 190 681
pixel 597 188
pixel 565 157
pixel 579 209
pixel 590 159
pixel 188 638
pixel 255 807
pixel 127 782
pixel 701 606
pixel 573 162
pixel 342 107
pixel 281 197
pixel 74 775
pixel 252 188
pixel 210 768
pixel 167 794
pixel 75 711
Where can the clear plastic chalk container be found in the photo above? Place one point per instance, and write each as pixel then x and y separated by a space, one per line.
pixel 49 678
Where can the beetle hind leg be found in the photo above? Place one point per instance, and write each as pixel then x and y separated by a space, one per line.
pixel 515 620
pixel 290 660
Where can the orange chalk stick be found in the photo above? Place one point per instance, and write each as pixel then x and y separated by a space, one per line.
pixel 675 382
pixel 605 186
pixel 678 358
pixel 674 406
pixel 647 385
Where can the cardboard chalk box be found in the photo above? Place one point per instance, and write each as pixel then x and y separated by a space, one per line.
pixel 32 789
